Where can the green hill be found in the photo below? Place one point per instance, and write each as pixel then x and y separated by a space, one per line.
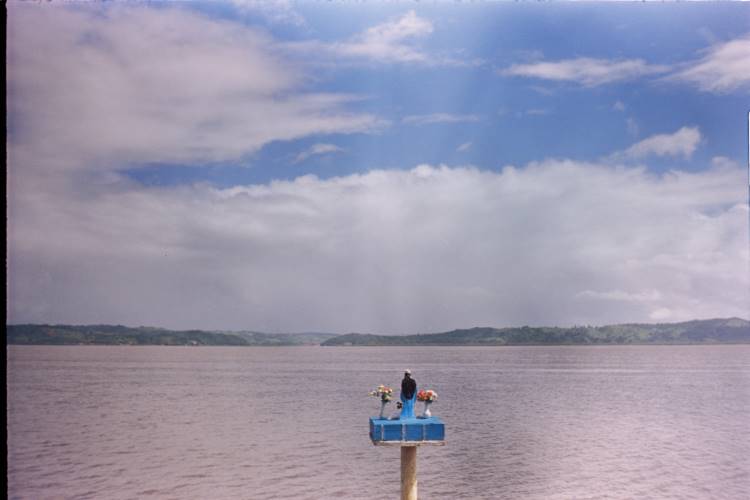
pixel 123 335
pixel 711 331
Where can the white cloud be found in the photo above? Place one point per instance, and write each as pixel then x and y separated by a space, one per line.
pixel 396 41
pixel 131 84
pixel 386 42
pixel 680 143
pixel 316 150
pixel 464 147
pixel 393 41
pixel 618 106
pixel 724 68
pixel 433 118
pixel 723 162
pixel 586 71
pixel 388 251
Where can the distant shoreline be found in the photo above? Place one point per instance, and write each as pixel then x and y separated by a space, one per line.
pixel 730 331
pixel 266 346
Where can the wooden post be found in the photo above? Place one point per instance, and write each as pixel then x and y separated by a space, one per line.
pixel 408 473
pixel 408 434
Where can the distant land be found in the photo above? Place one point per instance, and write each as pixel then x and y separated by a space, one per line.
pixel 709 331
pixel 123 335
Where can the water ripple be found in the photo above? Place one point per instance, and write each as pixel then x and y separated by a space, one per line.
pixel 532 423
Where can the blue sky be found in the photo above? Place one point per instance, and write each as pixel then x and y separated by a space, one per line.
pixel 389 167
pixel 507 120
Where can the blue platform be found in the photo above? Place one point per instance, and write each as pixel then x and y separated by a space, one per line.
pixel 409 431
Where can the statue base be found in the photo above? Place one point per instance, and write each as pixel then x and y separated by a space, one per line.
pixel 407 432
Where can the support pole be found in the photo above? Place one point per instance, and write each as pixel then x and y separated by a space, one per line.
pixel 408 473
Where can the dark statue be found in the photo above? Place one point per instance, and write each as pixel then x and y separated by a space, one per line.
pixel 408 395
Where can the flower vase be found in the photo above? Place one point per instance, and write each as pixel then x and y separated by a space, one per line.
pixel 382 407
pixel 427 413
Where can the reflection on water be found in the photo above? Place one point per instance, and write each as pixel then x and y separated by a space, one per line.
pixel 291 422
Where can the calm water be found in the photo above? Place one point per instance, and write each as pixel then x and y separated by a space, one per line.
pixel 522 423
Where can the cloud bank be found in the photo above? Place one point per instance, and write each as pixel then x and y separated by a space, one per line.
pixel 121 85
pixel 430 249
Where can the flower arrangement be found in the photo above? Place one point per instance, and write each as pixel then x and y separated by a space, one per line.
pixel 385 393
pixel 427 396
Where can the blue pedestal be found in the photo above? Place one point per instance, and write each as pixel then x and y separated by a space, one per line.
pixel 407 431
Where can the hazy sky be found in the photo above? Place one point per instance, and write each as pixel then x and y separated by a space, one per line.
pixel 390 168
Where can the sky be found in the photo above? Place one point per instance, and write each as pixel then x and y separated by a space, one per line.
pixel 384 167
